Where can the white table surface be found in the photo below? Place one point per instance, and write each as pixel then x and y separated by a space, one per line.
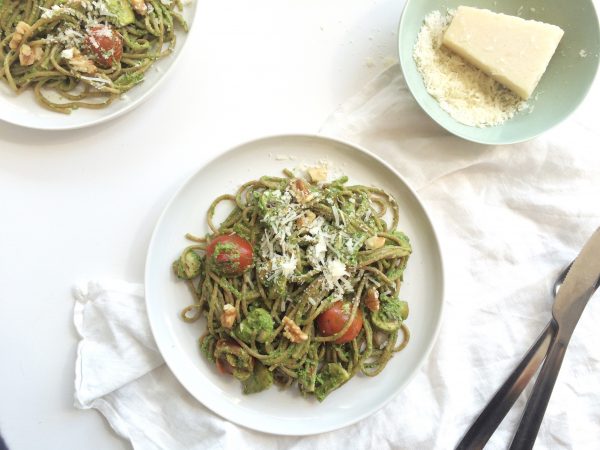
pixel 82 204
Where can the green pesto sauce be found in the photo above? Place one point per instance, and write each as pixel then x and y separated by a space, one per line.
pixel 226 258
pixel 129 79
pixel 392 312
pixel 241 362
pixel 207 347
pixel 122 10
pixel 260 380
pixel 393 308
pixel 346 308
pixel 329 379
pixel 404 240
pixel 242 230
pixel 307 376
pixel 258 325
pixel 395 273
pixel 188 266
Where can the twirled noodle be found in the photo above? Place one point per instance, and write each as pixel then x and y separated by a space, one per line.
pixel 44 46
pixel 314 245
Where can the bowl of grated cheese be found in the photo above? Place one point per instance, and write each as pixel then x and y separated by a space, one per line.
pixel 472 105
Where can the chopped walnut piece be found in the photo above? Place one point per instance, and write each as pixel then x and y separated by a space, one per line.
pixel 228 316
pixel 306 219
pixel 372 299
pixel 379 339
pixel 318 173
pixel 139 7
pixel 301 191
pixel 82 63
pixel 29 55
pixel 293 331
pixel 21 29
pixel 374 242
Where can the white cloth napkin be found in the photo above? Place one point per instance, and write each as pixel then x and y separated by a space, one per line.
pixel 509 218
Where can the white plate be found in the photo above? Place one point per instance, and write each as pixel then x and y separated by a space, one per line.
pixel 23 109
pixel 276 411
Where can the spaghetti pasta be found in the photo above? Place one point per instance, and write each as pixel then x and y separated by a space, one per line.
pixel 299 283
pixel 83 53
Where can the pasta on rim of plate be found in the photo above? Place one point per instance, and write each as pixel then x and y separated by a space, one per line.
pixel 300 283
pixel 83 53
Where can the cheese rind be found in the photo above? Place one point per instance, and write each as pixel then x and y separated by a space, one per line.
pixel 513 51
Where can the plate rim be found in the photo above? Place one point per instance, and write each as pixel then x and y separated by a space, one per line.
pixel 435 243
pixel 166 73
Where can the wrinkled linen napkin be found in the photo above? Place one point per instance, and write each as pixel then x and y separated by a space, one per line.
pixel 509 219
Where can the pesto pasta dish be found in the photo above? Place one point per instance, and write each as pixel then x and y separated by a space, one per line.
pixel 83 53
pixel 300 283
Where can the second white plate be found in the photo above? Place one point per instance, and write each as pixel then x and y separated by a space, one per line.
pixel 276 411
pixel 23 109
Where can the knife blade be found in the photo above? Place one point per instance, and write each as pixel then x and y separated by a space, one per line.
pixel 579 285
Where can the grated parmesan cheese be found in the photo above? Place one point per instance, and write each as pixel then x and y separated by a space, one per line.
pixel 288 266
pixel 336 269
pixel 67 53
pixel 466 93
pixel 48 13
pixel 329 248
pixel 336 215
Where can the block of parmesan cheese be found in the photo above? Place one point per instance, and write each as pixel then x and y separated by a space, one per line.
pixel 513 51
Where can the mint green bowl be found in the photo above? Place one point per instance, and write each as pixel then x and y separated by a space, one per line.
pixel 562 88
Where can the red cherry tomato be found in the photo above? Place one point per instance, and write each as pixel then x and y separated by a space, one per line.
pixel 333 320
pixel 221 361
pixel 232 359
pixel 224 367
pixel 105 43
pixel 229 254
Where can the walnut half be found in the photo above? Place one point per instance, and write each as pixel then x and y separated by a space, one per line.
pixel 21 29
pixel 306 219
pixel 82 63
pixel 139 7
pixel 293 331
pixel 228 316
pixel 372 299
pixel 29 55
pixel 300 191
pixel 318 173
pixel 374 242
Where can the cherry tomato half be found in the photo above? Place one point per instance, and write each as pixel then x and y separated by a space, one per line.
pixel 232 359
pixel 105 43
pixel 221 360
pixel 224 367
pixel 333 320
pixel 229 254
